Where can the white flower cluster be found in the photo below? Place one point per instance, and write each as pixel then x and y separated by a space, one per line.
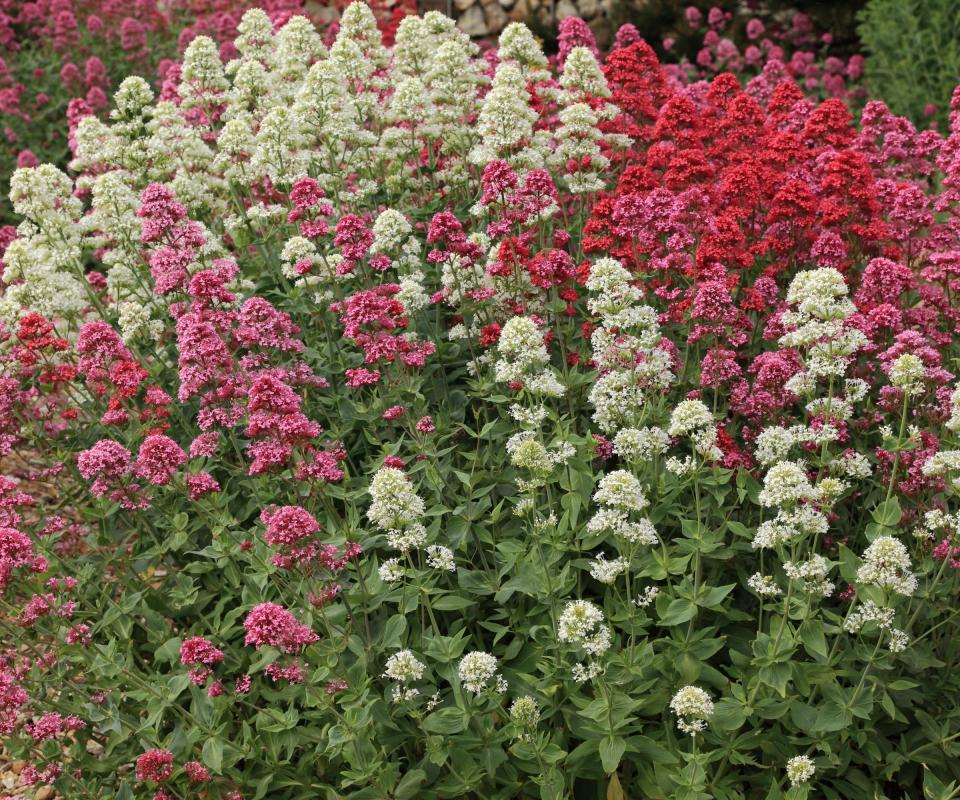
pixel 529 453
pixel 625 348
pixel 646 597
pixel 620 496
pixel 477 670
pixel 817 324
pixel 886 563
pixel 774 444
pixel 524 359
pixel 786 484
pixel 789 525
pixel 404 668
pixel 800 769
pixel 608 571
pixel 944 462
pixel 934 522
pixel 391 571
pixel 641 445
pixel 525 714
pixel 43 266
pixel 506 123
pixel 954 422
pixel 868 612
pixel 581 623
pixel 763 585
pixel 692 418
pixel 812 575
pixel 693 707
pixel 355 117
pixel 396 509
pixel 578 152
pixel 907 373
pixel 395 503
pixel 441 558
pixel 621 490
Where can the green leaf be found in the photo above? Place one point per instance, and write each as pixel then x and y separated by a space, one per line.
pixel 714 596
pixel 410 784
pixel 679 611
pixel 169 651
pixel 611 751
pixel 453 602
pixel 831 717
pixel 934 789
pixel 887 513
pixel 813 639
pixel 447 721
pixel 901 685
pixel 393 631
pixel 728 715
pixel 212 754
pixel 651 750
pixel 552 785
pixel 849 564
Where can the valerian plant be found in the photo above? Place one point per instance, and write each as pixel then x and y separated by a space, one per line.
pixel 397 422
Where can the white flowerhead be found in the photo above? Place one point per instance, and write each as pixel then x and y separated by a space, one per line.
pixel 853 465
pixel 404 667
pixel 646 597
pixel 681 467
pixel 389 231
pixel 395 503
pixel 688 416
pixel 506 120
pixel 940 463
pixel 582 623
pixel 131 98
pixel 621 490
pixel 800 769
pixel 886 563
pixel 773 444
pixel 608 275
pixel 476 670
pixel 812 575
pixel 441 558
pixel 518 44
pixel 640 445
pixel 412 536
pixel 527 453
pixel 693 708
pixel 524 712
pixel 820 293
pixel 582 76
pixel 763 585
pixel 786 483
pixel 908 373
pixel 608 571
pixel 390 571
pixel 521 341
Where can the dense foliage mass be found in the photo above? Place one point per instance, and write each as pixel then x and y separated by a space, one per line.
pixel 914 55
pixel 429 425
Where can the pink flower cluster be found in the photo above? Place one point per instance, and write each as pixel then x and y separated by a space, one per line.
pixel 199 653
pixel 271 625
